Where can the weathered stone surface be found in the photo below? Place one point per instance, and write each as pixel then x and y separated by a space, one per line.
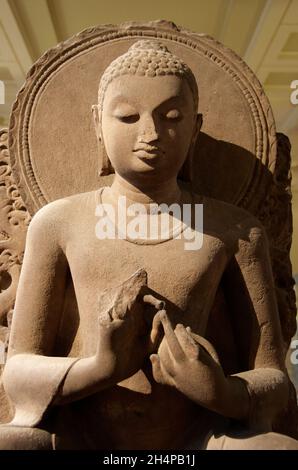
pixel 85 332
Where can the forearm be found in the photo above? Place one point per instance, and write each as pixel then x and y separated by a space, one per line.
pixel 84 378
pixel 34 383
pixel 31 382
pixel 255 396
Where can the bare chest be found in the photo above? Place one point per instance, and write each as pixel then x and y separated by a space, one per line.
pixel 186 279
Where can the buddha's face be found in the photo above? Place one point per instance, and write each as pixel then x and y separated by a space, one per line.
pixel 148 125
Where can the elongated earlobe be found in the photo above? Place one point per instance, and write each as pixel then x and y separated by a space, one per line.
pixel 105 167
pixel 186 172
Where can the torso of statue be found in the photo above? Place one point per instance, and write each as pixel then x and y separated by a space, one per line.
pixel 87 366
pixel 138 412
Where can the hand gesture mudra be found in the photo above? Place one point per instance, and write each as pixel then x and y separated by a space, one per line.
pixel 189 363
pixel 124 339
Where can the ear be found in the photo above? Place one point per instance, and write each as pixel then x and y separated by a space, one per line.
pixel 197 126
pixel 96 120
pixel 105 167
pixel 186 172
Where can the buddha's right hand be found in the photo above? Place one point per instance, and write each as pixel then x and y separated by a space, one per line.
pixel 124 340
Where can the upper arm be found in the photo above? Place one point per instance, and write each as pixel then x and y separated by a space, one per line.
pixel 40 292
pixel 249 287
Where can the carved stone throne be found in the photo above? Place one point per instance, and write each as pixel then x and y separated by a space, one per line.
pixel 50 151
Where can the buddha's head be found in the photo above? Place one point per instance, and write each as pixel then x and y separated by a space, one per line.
pixel 146 117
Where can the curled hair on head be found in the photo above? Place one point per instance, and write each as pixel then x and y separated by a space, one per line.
pixel 145 58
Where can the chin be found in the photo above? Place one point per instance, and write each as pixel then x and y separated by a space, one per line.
pixel 143 169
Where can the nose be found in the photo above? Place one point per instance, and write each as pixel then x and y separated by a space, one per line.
pixel 148 131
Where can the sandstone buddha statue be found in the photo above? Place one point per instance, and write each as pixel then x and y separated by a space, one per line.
pixel 133 369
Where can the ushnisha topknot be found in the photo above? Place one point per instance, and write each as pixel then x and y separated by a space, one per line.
pixel 149 59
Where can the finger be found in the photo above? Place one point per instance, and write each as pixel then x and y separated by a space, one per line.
pixel 207 346
pixel 172 340
pixel 150 299
pixel 188 344
pixel 160 375
pixel 156 368
pixel 156 332
pixel 156 322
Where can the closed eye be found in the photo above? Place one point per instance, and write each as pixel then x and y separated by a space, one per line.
pixel 129 119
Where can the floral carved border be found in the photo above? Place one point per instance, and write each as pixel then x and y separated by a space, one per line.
pixel 14 221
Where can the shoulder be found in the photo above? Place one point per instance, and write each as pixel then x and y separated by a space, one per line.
pixel 63 208
pixel 54 218
pixel 238 229
pixel 229 216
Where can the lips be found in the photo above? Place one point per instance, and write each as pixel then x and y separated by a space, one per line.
pixel 148 152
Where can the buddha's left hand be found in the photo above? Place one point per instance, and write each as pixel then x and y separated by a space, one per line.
pixel 189 362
